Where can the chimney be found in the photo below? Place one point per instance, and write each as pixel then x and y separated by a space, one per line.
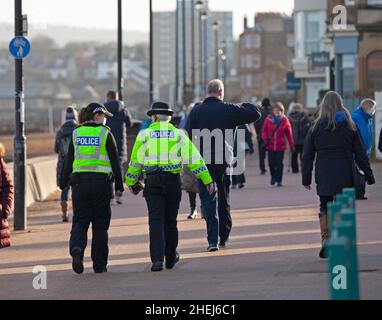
pixel 245 23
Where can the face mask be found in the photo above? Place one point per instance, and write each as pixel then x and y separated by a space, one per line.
pixel 104 121
pixel 372 111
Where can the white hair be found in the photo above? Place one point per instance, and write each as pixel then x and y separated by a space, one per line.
pixel 163 118
pixel 215 86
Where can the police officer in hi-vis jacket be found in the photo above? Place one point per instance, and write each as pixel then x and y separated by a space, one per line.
pixel 159 152
pixel 91 166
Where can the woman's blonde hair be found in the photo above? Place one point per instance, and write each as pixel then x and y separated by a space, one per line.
pixel 279 106
pixel 331 104
pixel 2 150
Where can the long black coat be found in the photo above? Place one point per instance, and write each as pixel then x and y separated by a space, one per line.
pixel 333 153
pixel 119 124
pixel 61 146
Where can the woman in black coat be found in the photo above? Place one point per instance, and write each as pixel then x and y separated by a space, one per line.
pixel 332 145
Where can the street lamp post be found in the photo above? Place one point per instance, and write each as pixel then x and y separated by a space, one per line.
pixel 184 51
pixel 176 100
pixel 205 49
pixel 215 26
pixel 193 48
pixel 223 54
pixel 120 75
pixel 151 55
pixel 20 222
pixel 199 6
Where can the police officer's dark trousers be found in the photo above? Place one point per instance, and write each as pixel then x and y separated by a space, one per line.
pixel 163 206
pixel 91 204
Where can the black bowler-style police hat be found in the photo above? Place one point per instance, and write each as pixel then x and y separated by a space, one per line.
pixel 96 107
pixel 160 108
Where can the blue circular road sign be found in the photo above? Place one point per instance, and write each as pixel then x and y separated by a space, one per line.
pixel 19 47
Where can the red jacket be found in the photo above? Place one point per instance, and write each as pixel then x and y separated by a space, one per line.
pixel 283 134
pixel 6 204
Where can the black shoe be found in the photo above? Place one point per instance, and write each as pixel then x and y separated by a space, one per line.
pixel 212 248
pixel 172 264
pixel 273 181
pixel 279 184
pixel 222 245
pixel 263 172
pixel 77 262
pixel 241 185
pixel 100 270
pixel 157 266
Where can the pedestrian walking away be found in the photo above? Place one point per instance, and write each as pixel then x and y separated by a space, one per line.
pixel 245 147
pixel 333 147
pixel 119 125
pixel 90 168
pixel 189 181
pixel 266 110
pixel 277 132
pixel 216 116
pixel 159 152
pixel 6 201
pixel 63 139
pixel 363 118
pixel 300 122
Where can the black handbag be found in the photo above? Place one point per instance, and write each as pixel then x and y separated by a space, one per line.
pixel 359 181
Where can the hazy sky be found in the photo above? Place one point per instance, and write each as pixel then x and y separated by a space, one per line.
pixel 102 13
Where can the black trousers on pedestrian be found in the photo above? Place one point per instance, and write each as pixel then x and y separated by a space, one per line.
pixel 276 165
pixel 296 156
pixel 192 198
pixel 239 179
pixel 91 204
pixel 163 206
pixel 262 154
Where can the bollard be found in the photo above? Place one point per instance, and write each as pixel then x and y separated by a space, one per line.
pixel 338 269
pixel 344 201
pixel 334 217
pixel 350 192
pixel 346 231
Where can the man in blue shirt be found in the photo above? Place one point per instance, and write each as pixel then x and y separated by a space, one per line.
pixel 363 118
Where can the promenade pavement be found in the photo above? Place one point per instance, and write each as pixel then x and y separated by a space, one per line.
pixel 272 253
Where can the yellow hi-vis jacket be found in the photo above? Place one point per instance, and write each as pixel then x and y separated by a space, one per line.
pixel 164 146
pixel 90 150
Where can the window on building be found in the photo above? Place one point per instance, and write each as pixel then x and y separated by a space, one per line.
pixel 256 59
pixel 312 32
pixel 374 71
pixel 349 2
pixel 374 2
pixel 349 75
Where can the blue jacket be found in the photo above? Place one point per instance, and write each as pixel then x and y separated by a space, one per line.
pixel 364 123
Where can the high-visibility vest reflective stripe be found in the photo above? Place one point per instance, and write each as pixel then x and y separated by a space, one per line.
pixel 90 150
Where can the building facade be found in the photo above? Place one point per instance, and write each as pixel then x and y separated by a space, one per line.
pixel 355 47
pixel 166 49
pixel 310 29
pixel 266 52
